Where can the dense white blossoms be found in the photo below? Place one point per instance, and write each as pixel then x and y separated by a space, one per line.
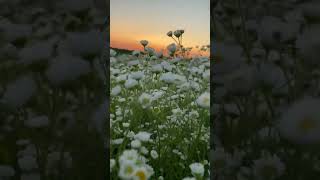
pixel 204 100
pixel 116 90
pixel 40 51
pixel 36 122
pixel 150 51
pixel 136 53
pixel 132 166
pixel 136 143
pixel 156 68
pixel 130 83
pixel 169 77
pixel 154 98
pixel 137 75
pixel 66 68
pixel 270 167
pixel 143 136
pixel 20 91
pixel 113 53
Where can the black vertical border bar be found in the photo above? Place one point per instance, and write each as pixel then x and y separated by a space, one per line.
pixel 212 36
pixel 107 67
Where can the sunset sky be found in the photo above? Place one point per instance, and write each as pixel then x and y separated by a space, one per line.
pixel 135 20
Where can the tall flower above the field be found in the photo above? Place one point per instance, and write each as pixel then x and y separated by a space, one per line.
pixel 178 40
pixel 204 100
pixel 177 33
pixel 145 100
pixel 144 43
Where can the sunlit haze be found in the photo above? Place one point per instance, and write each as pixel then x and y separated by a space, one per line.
pixel 135 20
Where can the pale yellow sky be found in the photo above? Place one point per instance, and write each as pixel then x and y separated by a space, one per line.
pixel 135 20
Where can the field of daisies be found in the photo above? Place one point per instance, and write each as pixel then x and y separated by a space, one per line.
pixel 265 90
pixel 159 114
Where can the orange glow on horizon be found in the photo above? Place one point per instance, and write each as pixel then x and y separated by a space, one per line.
pixel 133 21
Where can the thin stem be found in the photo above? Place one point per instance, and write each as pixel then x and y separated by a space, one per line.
pixel 174 39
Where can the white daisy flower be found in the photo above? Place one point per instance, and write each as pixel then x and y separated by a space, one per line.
pixel 204 100
pixel 154 154
pixel 135 144
pixel 197 169
pixel 127 169
pixel 116 90
pixel 143 136
pixel 301 122
pixel 145 100
pixel 130 83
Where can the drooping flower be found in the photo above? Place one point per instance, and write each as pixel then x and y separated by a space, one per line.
pixel 169 34
pixel 177 33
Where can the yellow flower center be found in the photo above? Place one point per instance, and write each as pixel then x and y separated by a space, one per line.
pixel 145 100
pixel 206 100
pixel 307 124
pixel 129 170
pixel 141 175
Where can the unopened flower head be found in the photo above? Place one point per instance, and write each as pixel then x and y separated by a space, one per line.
pixel 177 33
pixel 172 48
pixel 144 43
